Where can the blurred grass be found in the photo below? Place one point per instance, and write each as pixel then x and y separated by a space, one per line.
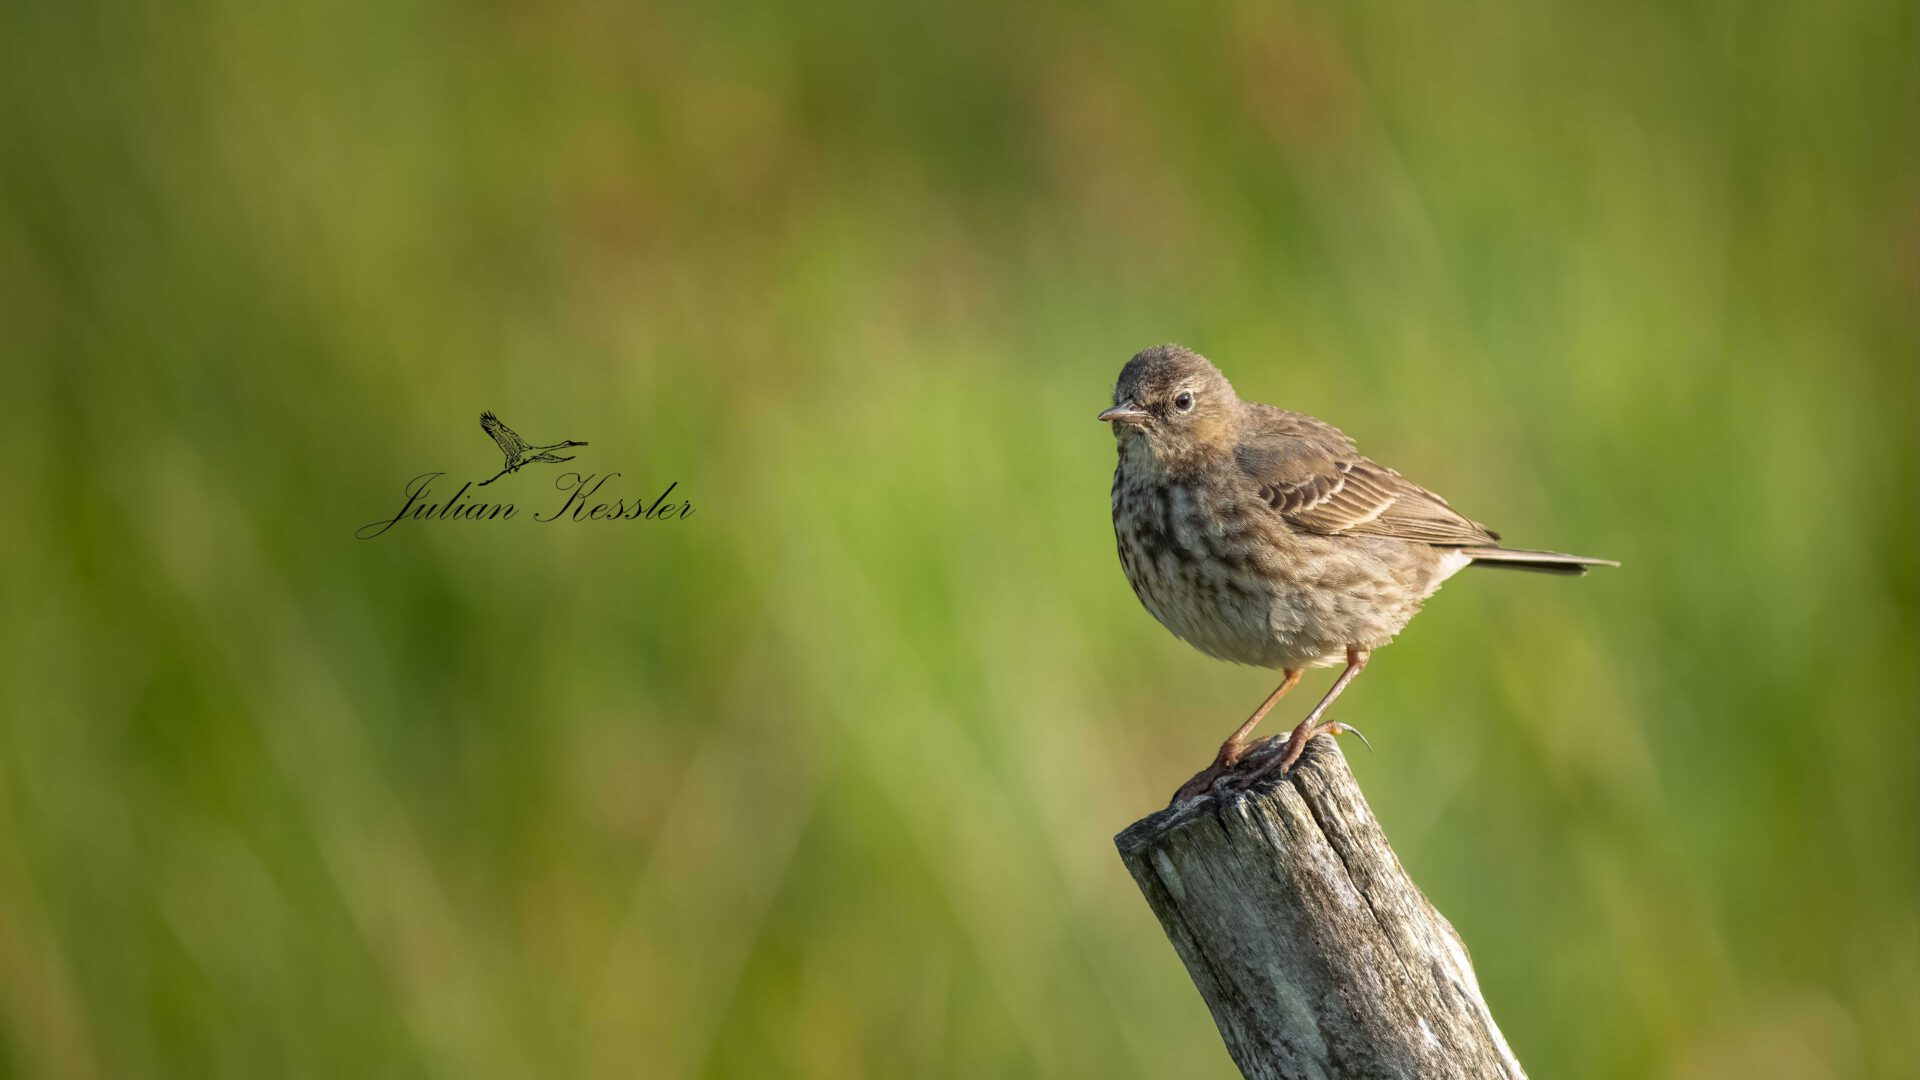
pixel 821 781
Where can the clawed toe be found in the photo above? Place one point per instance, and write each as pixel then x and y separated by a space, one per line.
pixel 1338 728
pixel 1280 763
pixel 1201 783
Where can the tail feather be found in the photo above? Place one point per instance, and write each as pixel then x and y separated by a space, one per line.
pixel 1545 562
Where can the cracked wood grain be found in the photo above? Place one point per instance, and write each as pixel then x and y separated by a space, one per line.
pixel 1316 953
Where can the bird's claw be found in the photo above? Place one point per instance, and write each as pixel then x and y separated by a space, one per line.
pixel 1201 783
pixel 1279 767
pixel 1221 780
pixel 1338 728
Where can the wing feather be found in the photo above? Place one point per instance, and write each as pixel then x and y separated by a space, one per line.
pixel 1314 477
pixel 510 444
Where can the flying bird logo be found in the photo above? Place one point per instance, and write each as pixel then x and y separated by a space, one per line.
pixel 517 450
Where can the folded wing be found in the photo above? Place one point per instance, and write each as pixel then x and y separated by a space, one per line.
pixel 1311 474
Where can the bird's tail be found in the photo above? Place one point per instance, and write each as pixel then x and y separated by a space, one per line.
pixel 1545 562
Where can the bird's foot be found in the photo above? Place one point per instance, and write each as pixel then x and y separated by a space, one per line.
pixel 1239 768
pixel 1231 754
pixel 1280 765
pixel 1201 783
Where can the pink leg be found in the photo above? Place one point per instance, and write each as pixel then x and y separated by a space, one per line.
pixel 1312 725
pixel 1235 747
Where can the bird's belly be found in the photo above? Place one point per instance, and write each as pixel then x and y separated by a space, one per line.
pixel 1226 585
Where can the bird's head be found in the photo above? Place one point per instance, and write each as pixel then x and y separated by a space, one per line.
pixel 1174 403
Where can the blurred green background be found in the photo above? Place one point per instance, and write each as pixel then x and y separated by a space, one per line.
pixel 821 782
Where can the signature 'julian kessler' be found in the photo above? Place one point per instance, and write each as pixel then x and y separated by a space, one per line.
pixel 583 502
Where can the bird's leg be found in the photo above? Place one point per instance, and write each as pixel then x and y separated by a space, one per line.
pixel 1235 747
pixel 1312 725
pixel 494 477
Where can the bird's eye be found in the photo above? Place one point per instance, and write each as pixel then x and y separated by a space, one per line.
pixel 1183 402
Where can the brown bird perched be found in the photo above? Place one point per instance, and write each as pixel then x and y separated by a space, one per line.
pixel 1264 537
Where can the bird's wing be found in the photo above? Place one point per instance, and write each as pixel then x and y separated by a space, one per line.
pixel 548 457
pixel 510 444
pixel 1312 475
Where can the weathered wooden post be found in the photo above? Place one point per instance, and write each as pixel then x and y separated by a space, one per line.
pixel 1317 954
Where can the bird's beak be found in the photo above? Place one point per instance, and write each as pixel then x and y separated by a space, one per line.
pixel 1125 413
